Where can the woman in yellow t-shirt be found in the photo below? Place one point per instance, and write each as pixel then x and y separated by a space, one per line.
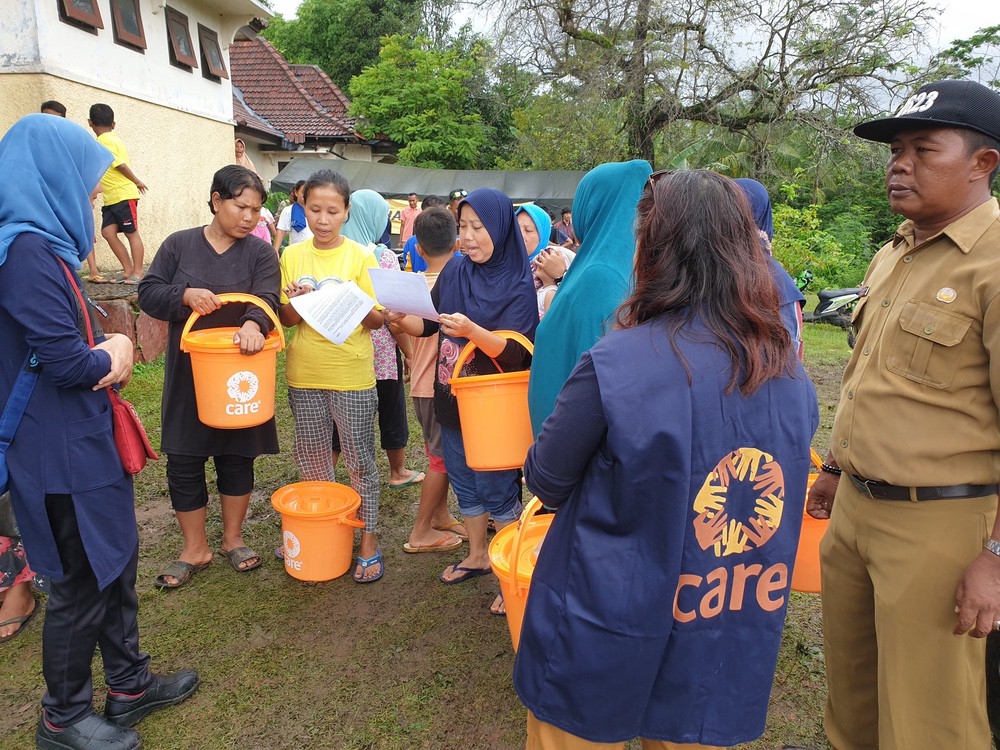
pixel 330 384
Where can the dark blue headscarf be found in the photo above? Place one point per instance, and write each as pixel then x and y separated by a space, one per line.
pixel 500 293
pixel 760 205
pixel 50 165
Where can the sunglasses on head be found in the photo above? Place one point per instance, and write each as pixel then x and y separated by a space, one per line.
pixel 455 194
pixel 656 177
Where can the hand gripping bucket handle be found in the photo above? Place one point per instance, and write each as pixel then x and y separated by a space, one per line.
pixel 471 347
pixel 530 510
pixel 235 297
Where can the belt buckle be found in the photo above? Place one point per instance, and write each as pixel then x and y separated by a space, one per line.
pixel 862 486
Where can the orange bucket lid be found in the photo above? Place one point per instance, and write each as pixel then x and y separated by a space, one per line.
pixel 502 548
pixel 316 500
pixel 221 339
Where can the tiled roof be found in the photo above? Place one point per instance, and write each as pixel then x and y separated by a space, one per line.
pixel 325 91
pixel 248 119
pixel 274 92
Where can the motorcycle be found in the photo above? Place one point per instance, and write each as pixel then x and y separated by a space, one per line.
pixel 835 306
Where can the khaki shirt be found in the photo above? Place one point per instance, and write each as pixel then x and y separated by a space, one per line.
pixel 919 400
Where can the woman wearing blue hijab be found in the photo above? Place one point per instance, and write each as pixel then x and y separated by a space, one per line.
pixel 73 500
pixel 790 296
pixel 488 289
pixel 369 212
pixel 596 284
pixel 548 262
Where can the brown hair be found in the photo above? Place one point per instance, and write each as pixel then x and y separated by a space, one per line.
pixel 699 254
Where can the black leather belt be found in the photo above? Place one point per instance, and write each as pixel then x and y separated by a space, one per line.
pixel 881 491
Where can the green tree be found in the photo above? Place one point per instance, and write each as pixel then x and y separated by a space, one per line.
pixel 725 63
pixel 341 36
pixel 977 57
pixel 418 97
pixel 566 127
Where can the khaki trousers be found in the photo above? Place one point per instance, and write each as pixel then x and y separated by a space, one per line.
pixel 898 679
pixel 542 736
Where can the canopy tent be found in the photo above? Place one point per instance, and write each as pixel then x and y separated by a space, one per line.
pixel 552 190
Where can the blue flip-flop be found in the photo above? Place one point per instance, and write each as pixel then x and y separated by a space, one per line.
pixel 367 562
pixel 467 574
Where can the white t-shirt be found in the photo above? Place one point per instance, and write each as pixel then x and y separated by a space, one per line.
pixel 285 225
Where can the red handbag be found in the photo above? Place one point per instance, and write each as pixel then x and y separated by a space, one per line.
pixel 131 441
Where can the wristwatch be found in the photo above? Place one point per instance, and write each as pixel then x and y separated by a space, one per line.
pixel 993 546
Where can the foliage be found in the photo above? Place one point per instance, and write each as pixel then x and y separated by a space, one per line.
pixel 276 200
pixel 567 127
pixel 341 37
pixel 801 241
pixel 729 64
pixel 977 57
pixel 417 96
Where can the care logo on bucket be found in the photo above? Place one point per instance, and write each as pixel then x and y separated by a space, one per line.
pixel 242 387
pixel 292 550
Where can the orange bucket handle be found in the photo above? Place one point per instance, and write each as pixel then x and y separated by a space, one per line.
pixel 530 510
pixel 355 522
pixel 816 460
pixel 471 347
pixel 236 297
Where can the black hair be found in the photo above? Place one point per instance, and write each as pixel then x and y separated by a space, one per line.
pixel 435 231
pixel 565 211
pixel 102 115
pixel 975 140
pixel 409 194
pixel 431 201
pixel 54 106
pixel 329 178
pixel 231 181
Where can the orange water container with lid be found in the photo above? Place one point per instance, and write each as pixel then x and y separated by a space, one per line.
pixel 806 574
pixel 493 411
pixel 317 528
pixel 513 553
pixel 233 390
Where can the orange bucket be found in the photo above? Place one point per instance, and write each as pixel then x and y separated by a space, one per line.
pixel 317 528
pixel 513 552
pixel 493 411
pixel 806 575
pixel 233 390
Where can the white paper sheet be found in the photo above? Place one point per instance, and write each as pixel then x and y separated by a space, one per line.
pixel 334 310
pixel 403 291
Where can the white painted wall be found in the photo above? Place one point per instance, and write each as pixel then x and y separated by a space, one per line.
pixel 60 48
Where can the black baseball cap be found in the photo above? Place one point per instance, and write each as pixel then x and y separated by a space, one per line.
pixel 455 195
pixel 960 104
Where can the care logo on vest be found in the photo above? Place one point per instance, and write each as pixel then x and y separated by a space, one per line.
pixel 242 387
pixel 744 477
pixel 714 528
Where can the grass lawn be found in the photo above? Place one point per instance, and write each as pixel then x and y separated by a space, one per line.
pixel 405 663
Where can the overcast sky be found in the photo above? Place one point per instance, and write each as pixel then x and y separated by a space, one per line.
pixel 961 18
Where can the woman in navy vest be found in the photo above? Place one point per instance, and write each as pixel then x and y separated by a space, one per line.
pixel 677 455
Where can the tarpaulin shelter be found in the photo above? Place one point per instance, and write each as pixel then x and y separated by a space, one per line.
pixel 552 190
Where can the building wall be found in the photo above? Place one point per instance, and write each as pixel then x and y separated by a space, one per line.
pixel 175 153
pixel 176 124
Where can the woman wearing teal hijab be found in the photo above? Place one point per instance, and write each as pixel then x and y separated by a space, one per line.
pixel 596 283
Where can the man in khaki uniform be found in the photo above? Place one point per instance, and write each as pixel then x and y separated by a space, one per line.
pixel 911 559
